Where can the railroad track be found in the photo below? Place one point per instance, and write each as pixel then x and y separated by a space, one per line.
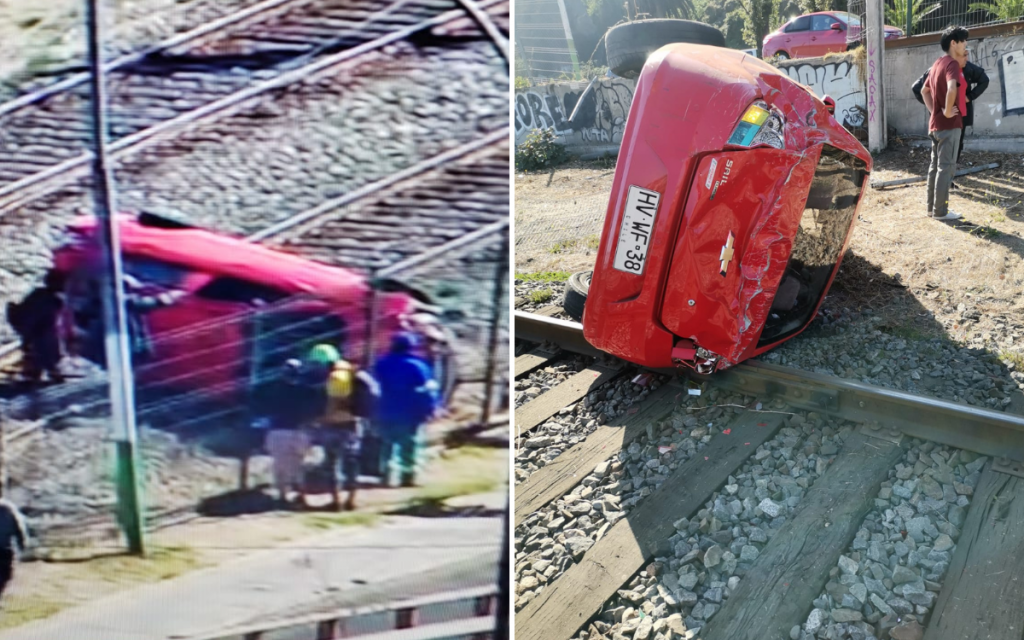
pixel 203 75
pixel 761 502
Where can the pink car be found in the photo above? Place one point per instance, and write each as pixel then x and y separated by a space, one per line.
pixel 815 34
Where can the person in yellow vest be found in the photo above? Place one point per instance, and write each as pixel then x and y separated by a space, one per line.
pixel 341 430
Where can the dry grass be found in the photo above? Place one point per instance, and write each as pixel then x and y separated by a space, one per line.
pixel 978 262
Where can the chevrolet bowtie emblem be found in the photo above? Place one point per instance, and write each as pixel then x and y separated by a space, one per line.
pixel 727 254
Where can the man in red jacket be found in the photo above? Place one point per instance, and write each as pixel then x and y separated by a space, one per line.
pixel 945 96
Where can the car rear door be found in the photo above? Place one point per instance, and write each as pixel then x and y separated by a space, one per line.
pixel 795 38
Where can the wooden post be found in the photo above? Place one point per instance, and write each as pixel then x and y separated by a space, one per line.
pixel 406 618
pixel 484 605
pixel 328 630
pixel 874 28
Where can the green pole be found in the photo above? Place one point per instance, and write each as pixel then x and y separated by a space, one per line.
pixel 119 367
pixel 910 16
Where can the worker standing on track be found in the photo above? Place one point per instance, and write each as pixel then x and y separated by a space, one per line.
pixel 409 396
pixel 290 405
pixel 35 319
pixel 13 537
pixel 349 402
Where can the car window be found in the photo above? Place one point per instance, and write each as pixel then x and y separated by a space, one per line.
pixel 803 23
pixel 822 23
pixel 829 209
pixel 158 272
pixel 228 289
pixel 848 18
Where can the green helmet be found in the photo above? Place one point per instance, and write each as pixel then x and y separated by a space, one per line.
pixel 324 354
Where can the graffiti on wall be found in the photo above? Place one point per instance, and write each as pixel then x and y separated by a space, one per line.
pixel 600 120
pixel 840 81
pixel 1003 58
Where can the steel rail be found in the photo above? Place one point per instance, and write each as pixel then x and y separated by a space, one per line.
pixel 483 234
pixel 978 429
pixel 65 172
pixel 234 19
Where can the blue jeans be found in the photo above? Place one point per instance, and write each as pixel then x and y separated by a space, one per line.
pixel 400 453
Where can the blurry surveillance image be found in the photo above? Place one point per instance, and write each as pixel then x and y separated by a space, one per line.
pixel 254 275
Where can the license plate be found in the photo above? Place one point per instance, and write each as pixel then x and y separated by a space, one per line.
pixel 635 232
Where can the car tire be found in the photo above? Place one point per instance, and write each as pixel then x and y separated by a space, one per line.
pixel 576 289
pixel 782 55
pixel 628 45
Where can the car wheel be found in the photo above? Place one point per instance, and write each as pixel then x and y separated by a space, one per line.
pixel 628 45
pixel 576 290
pixel 782 55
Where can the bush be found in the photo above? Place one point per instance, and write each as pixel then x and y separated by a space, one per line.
pixel 539 151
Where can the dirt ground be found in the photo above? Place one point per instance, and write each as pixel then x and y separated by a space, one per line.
pixel 461 480
pixel 968 276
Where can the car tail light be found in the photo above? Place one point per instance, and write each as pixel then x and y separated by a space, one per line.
pixel 759 125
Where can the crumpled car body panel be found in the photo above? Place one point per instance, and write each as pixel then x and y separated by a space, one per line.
pixel 717 199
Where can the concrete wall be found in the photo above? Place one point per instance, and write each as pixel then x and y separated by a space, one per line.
pixel 998 113
pixel 839 79
pixel 599 123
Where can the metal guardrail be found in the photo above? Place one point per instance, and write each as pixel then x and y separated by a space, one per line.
pixel 404 621
pixel 964 426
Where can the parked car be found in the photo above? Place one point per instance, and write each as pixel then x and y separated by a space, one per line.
pixel 734 199
pixel 240 311
pixel 815 34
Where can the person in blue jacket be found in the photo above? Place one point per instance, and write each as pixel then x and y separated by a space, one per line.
pixel 408 398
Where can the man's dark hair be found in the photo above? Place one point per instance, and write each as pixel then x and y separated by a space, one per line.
pixel 953 34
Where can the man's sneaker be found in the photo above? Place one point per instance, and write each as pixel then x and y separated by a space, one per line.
pixel 949 216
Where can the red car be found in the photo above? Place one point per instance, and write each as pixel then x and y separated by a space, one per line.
pixel 734 198
pixel 240 309
pixel 815 34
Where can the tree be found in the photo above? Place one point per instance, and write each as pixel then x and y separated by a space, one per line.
pixel 1005 10
pixel 761 17
pixel 897 14
pixel 653 8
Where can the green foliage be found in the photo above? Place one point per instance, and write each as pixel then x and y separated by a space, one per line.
pixel 1005 10
pixel 539 151
pixel 761 17
pixel 544 276
pixel 541 296
pixel 522 83
pixel 896 15
pixel 588 71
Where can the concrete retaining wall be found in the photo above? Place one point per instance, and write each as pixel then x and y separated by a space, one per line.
pixel 596 128
pixel 838 78
pixel 998 113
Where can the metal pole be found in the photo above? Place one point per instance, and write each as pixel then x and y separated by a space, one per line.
pixel 119 370
pixel 492 342
pixel 876 73
pixel 568 36
pixel 910 17
pixel 501 632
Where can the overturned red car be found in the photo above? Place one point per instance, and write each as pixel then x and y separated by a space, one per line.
pixel 239 309
pixel 734 199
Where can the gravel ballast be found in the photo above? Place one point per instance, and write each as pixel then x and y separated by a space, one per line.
pixel 889 578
